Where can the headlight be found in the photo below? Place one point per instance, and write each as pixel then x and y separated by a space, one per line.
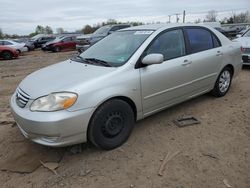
pixel 54 102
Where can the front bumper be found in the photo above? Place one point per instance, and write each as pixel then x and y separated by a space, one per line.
pixel 246 59
pixel 56 129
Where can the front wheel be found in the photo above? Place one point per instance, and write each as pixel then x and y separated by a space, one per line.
pixel 111 124
pixel 223 82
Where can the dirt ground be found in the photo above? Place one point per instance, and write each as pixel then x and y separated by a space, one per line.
pixel 215 153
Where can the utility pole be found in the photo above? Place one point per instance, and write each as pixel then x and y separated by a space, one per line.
pixel 184 15
pixel 177 17
pixel 169 18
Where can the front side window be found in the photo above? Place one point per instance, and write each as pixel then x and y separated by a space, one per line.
pixel 66 39
pixel 199 39
pixel 170 44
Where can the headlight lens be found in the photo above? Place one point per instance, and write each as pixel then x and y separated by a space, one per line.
pixel 54 102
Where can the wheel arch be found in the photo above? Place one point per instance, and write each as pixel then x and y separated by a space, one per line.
pixel 123 98
pixel 231 67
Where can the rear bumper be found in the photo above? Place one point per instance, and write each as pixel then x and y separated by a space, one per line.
pixel 56 129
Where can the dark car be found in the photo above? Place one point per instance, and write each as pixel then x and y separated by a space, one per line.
pixel 224 32
pixel 8 53
pixel 85 41
pixel 60 44
pixel 29 44
pixel 39 40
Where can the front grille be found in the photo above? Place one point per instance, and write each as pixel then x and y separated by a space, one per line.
pixel 22 98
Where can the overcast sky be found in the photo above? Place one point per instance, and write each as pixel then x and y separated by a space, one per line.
pixel 22 16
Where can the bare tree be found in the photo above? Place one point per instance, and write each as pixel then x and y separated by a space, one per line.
pixel 59 30
pixel 241 17
pixel 48 30
pixel 211 16
pixel 1 34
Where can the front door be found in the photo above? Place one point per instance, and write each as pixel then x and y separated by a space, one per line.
pixel 169 82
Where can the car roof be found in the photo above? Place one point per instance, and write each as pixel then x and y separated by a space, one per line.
pixel 161 26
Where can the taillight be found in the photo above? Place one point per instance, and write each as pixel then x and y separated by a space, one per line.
pixel 242 49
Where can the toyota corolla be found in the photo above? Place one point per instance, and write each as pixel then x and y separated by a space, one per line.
pixel 98 95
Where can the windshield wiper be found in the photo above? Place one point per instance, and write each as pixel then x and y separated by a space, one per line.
pixel 99 61
pixel 80 59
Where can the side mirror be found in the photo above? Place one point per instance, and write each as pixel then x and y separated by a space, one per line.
pixel 151 59
pixel 238 36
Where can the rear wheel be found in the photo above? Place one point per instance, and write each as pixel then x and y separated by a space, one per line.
pixel 111 124
pixel 223 82
pixel 7 55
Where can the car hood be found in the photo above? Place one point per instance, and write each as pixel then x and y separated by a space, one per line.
pixel 85 36
pixel 61 77
pixel 245 41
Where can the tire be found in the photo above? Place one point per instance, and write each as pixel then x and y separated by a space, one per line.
pixel 7 55
pixel 223 82
pixel 57 49
pixel 111 124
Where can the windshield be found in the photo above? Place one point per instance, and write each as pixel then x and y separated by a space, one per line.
pixel 247 34
pixel 57 39
pixel 102 30
pixel 117 48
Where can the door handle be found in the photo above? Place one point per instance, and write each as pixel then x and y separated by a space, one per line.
pixel 219 53
pixel 186 62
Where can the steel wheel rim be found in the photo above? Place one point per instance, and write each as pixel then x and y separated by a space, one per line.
pixel 224 81
pixel 113 125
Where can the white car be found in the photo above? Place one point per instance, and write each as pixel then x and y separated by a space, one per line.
pixel 245 43
pixel 20 47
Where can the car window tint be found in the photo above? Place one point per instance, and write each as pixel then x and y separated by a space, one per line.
pixel 7 43
pixel 1 42
pixel 199 39
pixel 114 28
pixel 216 42
pixel 170 44
pixel 247 34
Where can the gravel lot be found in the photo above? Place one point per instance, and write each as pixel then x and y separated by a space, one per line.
pixel 211 154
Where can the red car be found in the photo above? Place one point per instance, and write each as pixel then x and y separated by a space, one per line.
pixel 60 44
pixel 8 53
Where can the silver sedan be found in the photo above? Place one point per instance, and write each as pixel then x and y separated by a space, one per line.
pixel 129 75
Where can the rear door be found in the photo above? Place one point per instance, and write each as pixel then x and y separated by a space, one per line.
pixel 206 56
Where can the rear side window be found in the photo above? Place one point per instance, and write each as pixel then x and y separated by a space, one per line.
pixel 170 44
pixel 199 39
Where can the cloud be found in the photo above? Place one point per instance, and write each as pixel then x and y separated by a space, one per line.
pixel 22 17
